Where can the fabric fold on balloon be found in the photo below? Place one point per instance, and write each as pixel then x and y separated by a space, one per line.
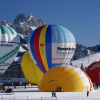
pixel 31 71
pixel 66 77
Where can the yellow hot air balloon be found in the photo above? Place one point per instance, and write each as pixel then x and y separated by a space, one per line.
pixel 66 78
pixel 32 73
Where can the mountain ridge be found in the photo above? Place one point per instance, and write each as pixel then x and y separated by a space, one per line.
pixel 24 25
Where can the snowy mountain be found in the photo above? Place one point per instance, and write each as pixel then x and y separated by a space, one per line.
pixel 6 23
pixel 95 48
pixel 81 51
pixel 24 25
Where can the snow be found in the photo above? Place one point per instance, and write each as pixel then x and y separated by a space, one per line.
pixel 87 60
pixel 33 28
pixel 18 58
pixel 32 93
pixel 21 49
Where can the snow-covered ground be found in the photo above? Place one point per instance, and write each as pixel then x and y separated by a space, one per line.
pixel 86 60
pixel 32 93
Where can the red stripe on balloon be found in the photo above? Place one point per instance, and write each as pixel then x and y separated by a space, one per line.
pixel 36 48
pixel 89 81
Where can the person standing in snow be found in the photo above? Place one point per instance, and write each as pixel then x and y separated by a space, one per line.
pixel 52 94
pixel 87 93
pixel 57 89
pixel 96 85
pixel 60 89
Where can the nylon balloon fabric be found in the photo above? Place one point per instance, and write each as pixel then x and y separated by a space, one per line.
pixel 31 72
pixel 9 47
pixel 65 78
pixel 51 45
pixel 93 72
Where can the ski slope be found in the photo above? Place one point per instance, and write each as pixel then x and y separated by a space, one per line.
pixel 86 60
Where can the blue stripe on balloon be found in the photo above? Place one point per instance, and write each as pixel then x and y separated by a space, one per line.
pixel 29 38
pixel 54 65
pixel 65 52
pixel 48 46
pixel 32 49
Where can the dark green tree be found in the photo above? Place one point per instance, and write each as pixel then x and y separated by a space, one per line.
pixel 82 68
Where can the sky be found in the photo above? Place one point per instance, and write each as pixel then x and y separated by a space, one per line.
pixel 81 17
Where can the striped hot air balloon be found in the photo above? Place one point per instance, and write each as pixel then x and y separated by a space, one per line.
pixel 9 46
pixel 66 78
pixel 51 45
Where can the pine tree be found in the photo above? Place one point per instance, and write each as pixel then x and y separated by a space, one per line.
pixel 82 68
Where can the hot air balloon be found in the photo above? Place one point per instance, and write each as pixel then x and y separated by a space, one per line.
pixel 51 45
pixel 65 78
pixel 48 46
pixel 31 71
pixel 9 46
pixel 93 72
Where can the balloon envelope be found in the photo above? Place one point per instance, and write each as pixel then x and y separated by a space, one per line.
pixel 93 72
pixel 51 45
pixel 9 46
pixel 69 78
pixel 31 72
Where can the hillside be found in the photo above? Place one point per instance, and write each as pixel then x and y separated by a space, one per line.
pixel 86 60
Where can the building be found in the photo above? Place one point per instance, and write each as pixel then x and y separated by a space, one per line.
pixel 13 74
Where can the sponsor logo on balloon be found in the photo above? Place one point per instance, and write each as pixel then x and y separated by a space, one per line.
pixel 52 81
pixel 59 48
pixel 41 47
pixel 42 44
pixel 65 51
pixel 95 66
pixel 8 45
pixel 74 45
